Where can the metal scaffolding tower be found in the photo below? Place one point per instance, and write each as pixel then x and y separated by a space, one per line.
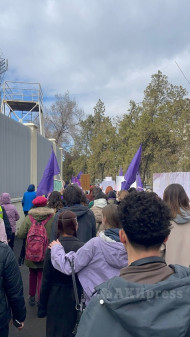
pixel 25 101
pixel 3 69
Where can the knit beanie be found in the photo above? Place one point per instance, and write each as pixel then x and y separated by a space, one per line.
pixel 39 201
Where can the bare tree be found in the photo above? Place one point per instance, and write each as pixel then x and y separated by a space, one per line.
pixel 62 119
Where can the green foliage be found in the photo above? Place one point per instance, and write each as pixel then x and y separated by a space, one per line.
pixel 103 160
pixel 160 123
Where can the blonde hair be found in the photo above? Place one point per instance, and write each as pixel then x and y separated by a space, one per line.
pixel 123 194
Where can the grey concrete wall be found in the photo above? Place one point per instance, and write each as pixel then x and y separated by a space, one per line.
pixel 24 154
pixel 14 156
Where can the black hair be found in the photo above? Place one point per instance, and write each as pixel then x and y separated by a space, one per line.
pixel 132 189
pixel 55 200
pixel 96 190
pixel 98 194
pixel 101 195
pixel 112 195
pixel 72 195
pixel 84 200
pixel 145 219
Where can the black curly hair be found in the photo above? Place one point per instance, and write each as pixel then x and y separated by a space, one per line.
pixel 72 195
pixel 55 200
pixel 145 219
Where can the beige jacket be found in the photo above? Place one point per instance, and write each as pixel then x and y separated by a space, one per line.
pixel 97 210
pixel 178 245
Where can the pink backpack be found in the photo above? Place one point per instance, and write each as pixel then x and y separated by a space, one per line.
pixel 37 240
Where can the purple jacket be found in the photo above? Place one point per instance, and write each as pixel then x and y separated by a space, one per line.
pixel 97 261
pixel 10 209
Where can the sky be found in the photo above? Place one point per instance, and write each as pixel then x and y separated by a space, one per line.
pixel 95 49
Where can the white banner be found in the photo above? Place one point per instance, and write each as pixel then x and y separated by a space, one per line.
pixel 162 180
pixel 119 180
pixel 105 184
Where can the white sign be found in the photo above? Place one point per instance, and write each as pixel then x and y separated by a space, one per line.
pixel 108 179
pixel 119 180
pixel 105 184
pixel 162 180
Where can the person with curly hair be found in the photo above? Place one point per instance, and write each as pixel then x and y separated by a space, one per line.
pixel 177 246
pixel 149 298
pixel 55 201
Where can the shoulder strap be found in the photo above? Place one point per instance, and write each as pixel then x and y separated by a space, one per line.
pixel 80 306
pixel 77 306
pixel 34 221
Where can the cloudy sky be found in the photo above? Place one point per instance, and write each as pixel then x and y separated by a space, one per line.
pixel 95 49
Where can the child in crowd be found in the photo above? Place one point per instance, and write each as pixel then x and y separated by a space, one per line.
pixel 57 300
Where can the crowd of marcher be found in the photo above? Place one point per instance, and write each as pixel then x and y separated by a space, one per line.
pixel 100 264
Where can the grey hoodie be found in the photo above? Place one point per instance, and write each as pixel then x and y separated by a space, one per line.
pixel 184 218
pixel 127 309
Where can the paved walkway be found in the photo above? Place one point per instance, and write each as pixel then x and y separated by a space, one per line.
pixel 33 326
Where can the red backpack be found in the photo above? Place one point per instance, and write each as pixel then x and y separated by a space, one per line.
pixel 37 240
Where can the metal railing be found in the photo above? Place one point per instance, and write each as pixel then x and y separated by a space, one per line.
pixel 22 92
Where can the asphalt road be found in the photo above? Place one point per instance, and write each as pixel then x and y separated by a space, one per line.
pixel 33 326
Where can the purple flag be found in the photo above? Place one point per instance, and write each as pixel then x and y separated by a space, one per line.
pixel 139 182
pixel 75 180
pixel 120 172
pixel 46 184
pixel 80 173
pixel 130 175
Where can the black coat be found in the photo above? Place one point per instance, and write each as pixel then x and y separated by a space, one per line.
pixel 86 222
pixel 11 287
pixel 57 300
